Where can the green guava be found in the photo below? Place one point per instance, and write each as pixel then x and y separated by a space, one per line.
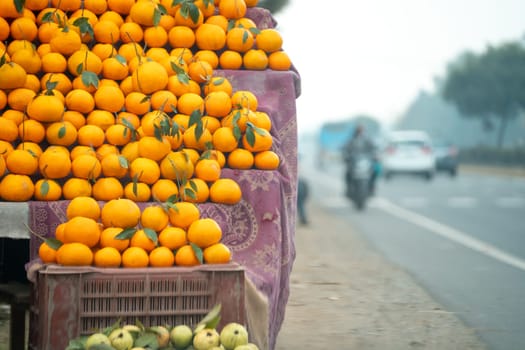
pixel 232 335
pixel 121 339
pixel 181 336
pixel 206 339
pixel 96 339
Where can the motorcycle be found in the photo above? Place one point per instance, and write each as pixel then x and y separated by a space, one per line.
pixel 359 179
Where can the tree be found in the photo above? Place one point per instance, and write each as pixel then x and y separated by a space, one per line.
pixel 489 85
pixel 273 6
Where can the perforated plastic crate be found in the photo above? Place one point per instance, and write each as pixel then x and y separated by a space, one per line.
pixel 77 301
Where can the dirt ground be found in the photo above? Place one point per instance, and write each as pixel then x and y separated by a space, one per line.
pixel 346 296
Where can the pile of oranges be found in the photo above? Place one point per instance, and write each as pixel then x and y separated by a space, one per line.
pixel 120 234
pixel 118 99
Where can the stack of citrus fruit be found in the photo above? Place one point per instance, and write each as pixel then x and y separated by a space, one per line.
pixel 119 233
pixel 118 99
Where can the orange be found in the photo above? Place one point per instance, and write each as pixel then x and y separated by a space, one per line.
pixel 102 118
pixel 195 190
pixel 218 253
pixel 164 100
pixel 83 206
pixel 180 87
pixel 218 103
pixel 155 36
pixel 61 133
pixel 181 36
pixel 240 158
pixel 209 56
pixel 107 257
pixel 157 54
pixel 16 116
pixel 5 149
pixel 46 31
pixel 197 137
pixel 74 254
pixel 218 156
pixel 107 188
pixel 82 230
pixel 65 41
pixel 109 98
pixel 182 53
pixel 246 22
pixel 120 212
pixel 149 77
pixel 3 98
pixel 145 239
pixel 239 39
pixel 32 83
pixel 8 130
pixel 129 119
pixel 232 9
pixel 210 37
pixel 63 83
pixel 245 99
pixel 279 60
pixel 108 239
pixel 91 135
pixel 200 71
pixel 255 59
pixel 114 68
pixel 164 189
pixel 59 231
pixel 105 149
pixel 86 166
pixel 210 123
pixel 207 7
pixel 257 140
pixel 174 65
pixel 100 51
pixel 118 134
pixel 182 214
pixel 4 29
pixel 172 237
pixel 131 32
pixel 224 139
pixel 84 60
pixel 66 5
pixel 208 170
pixel 32 147
pixel 96 6
pixel 143 12
pixel 80 100
pixel 29 59
pixel 251 3
pixel 267 160
pixel 31 130
pixel 74 187
pixel 144 170
pixel 135 257
pixel 225 191
pixel 137 103
pixel 46 253
pixel 192 154
pixel 218 20
pixel 161 257
pixel 79 150
pixel 230 59
pixel 185 256
pixel 269 40
pixel 130 50
pixel 54 164
pixel 262 120
pixel 16 188
pixel 47 190
pixel 114 165
pixel 152 148
pixel 23 28
pixel 12 76
pixel 112 16
pixel 106 32
pixel 218 84
pixel 2 166
pixel 176 166
pixel 204 232
pixel 154 217
pixel 192 20
pixel 137 192
pixel 152 121
pixel 22 162
pixel 45 108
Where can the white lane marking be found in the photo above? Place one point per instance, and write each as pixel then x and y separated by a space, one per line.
pixel 462 202
pixel 510 202
pixel 450 233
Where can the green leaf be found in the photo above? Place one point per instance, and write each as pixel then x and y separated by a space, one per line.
pixel 250 136
pixel 147 340
pixel 90 78
pixel 84 26
pixel 77 344
pixel 48 17
pixel 156 17
pixel 211 318
pixel 53 243
pixel 198 252
pixel 195 118
pixel 51 85
pixel 19 5
pixel 254 30
pixel 126 233
pixel 101 347
pixel 194 13
pixel 171 200
pixel 121 59
pixel 218 81
pixel 151 234
pixel 188 192
pixel 123 162
pixel 44 189
pixel 245 36
pixel 62 132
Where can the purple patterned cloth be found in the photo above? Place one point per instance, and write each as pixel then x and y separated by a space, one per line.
pixel 260 228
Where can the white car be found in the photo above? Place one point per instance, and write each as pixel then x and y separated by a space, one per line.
pixel 408 152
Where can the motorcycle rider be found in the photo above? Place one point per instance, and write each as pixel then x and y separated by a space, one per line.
pixel 359 144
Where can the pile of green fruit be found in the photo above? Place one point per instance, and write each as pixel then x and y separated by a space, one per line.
pixel 205 336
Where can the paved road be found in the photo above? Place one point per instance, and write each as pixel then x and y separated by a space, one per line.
pixel 462 239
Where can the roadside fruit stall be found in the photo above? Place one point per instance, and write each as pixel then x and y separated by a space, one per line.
pixel 149 154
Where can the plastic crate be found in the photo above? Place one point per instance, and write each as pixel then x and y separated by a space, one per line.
pixel 77 301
